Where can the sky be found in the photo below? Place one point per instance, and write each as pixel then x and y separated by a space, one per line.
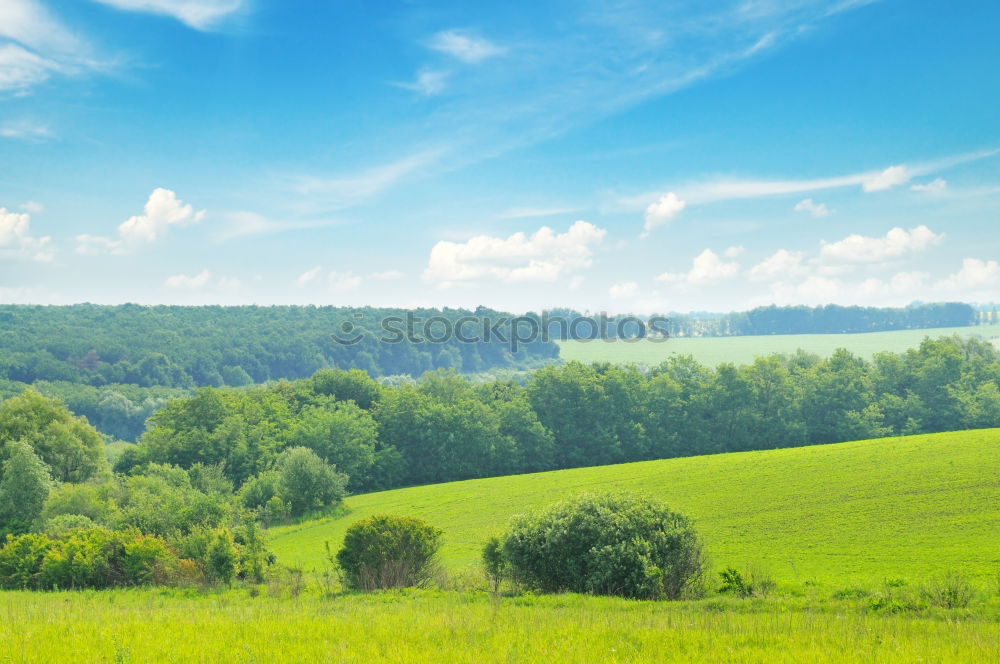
pixel 605 155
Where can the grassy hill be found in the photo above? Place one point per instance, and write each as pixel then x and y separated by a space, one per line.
pixel 742 350
pixel 861 511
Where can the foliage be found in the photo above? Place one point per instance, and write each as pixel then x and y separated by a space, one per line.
pixel 85 558
pixel 951 590
pixel 68 445
pixel 610 544
pixel 24 487
pixel 388 552
pixel 752 583
pixel 184 347
pixel 306 482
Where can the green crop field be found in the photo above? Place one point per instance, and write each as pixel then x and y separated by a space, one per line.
pixel 742 350
pixel 851 512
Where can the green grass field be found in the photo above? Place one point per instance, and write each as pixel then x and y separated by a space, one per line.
pixel 128 627
pixel 831 514
pixel 742 350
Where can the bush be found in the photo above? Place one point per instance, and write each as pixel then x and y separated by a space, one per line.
pixel 91 558
pixel 494 562
pixel 755 582
pixel 384 552
pixel 610 544
pixel 949 591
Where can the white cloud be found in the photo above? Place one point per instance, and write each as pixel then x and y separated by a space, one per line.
pixel 342 192
pixel 37 47
pixel 887 179
pixel 815 209
pixel 780 265
pixel 706 268
pixel 733 252
pixel 33 207
pixel 624 290
pixel 243 224
pixel 901 283
pixel 935 186
pixel 25 130
pixel 663 210
pixel 387 275
pixel 198 14
pixel 16 238
pixel 193 282
pixel 863 249
pixel 465 47
pixel 543 256
pixel 428 82
pixel 162 211
pixel 343 281
pixel 308 276
pixel 974 274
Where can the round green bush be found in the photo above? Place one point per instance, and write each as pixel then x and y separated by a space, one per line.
pixel 607 544
pixel 383 552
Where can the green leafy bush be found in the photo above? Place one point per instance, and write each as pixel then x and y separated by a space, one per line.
pixel 951 590
pixel 755 582
pixel 384 552
pixel 609 544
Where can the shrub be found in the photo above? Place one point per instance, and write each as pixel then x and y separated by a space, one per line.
pixel 494 562
pixel 755 582
pixel 384 552
pixel 91 558
pixel 949 591
pixel 609 544
pixel 60 526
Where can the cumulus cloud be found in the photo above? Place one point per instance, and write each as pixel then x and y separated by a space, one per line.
pixel 974 274
pixel 809 207
pixel 542 256
pixel 624 290
pixel 16 238
pixel 863 249
pixel 162 211
pixel 198 14
pixel 935 186
pixel 782 264
pixel 706 268
pixel 901 283
pixel 464 46
pixel 887 179
pixel 661 211
pixel 34 207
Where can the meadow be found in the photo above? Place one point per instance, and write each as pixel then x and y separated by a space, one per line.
pixel 417 626
pixel 830 515
pixel 713 351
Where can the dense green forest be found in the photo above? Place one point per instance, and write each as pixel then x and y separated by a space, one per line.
pixel 443 427
pixel 174 346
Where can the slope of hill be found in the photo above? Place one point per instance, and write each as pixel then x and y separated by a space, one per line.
pixel 742 350
pixel 866 511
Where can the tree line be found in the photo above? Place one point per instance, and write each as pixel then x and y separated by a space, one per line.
pixel 443 427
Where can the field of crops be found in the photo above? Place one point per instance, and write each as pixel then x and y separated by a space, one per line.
pixel 434 626
pixel 742 350
pixel 856 512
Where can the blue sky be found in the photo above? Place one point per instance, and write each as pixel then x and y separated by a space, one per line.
pixel 600 154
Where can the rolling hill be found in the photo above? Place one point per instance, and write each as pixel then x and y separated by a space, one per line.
pixel 861 511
